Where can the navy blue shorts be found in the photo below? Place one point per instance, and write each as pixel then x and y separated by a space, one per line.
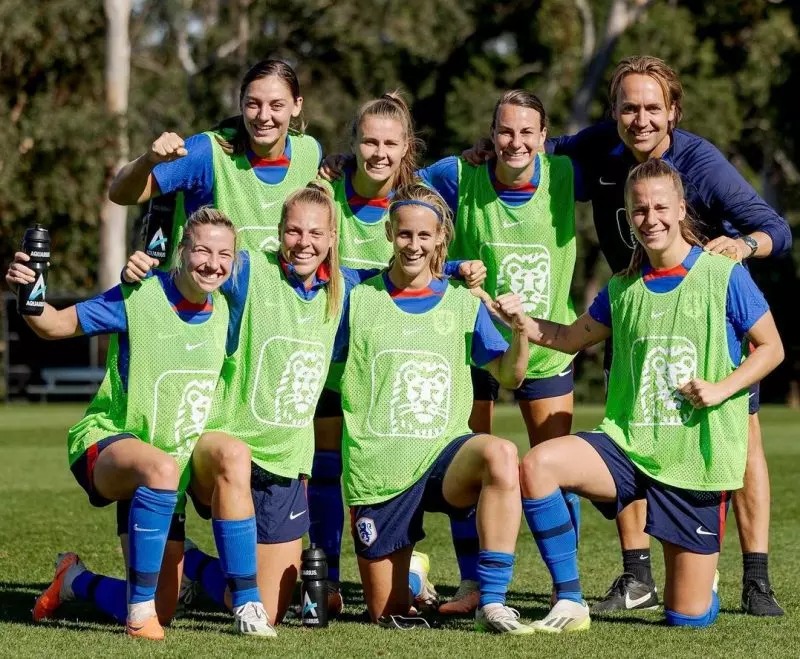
pixel 383 528
pixel 83 468
pixel 485 387
pixel 753 396
pixel 177 526
pixel 692 519
pixel 280 503
pixel 329 404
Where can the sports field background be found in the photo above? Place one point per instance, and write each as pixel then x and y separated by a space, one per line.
pixel 43 511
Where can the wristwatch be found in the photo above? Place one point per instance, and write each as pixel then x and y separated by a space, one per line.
pixel 751 243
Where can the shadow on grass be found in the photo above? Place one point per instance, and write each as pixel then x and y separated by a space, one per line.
pixel 16 605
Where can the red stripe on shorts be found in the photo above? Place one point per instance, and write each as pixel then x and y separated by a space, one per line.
pixel 91 458
pixel 722 516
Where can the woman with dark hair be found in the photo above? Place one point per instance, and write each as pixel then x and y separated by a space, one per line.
pixel 246 166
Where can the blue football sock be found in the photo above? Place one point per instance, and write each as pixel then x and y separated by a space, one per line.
pixel 106 593
pixel 148 525
pixel 466 545
pixel 236 544
pixel 704 620
pixel 206 570
pixel 550 523
pixel 414 584
pixel 574 507
pixel 326 508
pixel 495 569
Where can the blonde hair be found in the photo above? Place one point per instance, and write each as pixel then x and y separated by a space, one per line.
pixel 418 193
pixel 205 216
pixel 392 105
pixel 320 196
pixel 651 169
pixel 659 71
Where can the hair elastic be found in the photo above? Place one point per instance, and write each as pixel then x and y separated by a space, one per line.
pixel 416 202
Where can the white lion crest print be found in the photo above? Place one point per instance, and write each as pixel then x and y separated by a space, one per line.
pixel 420 403
pixel 668 364
pixel 296 394
pixel 528 275
pixel 192 415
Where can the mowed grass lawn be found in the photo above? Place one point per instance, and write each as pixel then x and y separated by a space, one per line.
pixel 43 511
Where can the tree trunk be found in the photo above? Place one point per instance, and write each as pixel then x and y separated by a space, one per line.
pixel 113 218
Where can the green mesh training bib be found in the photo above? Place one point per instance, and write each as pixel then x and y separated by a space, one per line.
pixel 172 374
pixel 361 245
pixel 271 384
pixel 406 389
pixel 660 341
pixel 527 249
pixel 253 206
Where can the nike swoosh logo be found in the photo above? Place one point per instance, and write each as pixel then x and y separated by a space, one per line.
pixel 633 602
pixel 194 346
pixel 305 320
pixel 268 204
pixel 657 314
pixel 294 515
pixel 136 527
pixel 701 531
pixel 565 373
pixel 361 241
pixel 602 181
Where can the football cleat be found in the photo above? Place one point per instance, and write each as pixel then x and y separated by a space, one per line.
pixel 68 566
pixel 464 601
pixel 500 619
pixel 149 628
pixel 627 593
pixel 251 619
pixel 565 616
pixel 335 600
pixel 428 599
pixel 758 599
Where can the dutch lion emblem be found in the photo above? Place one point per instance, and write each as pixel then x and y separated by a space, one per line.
pixel 665 370
pixel 192 415
pixel 296 394
pixel 528 275
pixel 420 401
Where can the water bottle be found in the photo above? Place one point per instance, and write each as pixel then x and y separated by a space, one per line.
pixel 31 297
pixel 158 226
pixel 314 587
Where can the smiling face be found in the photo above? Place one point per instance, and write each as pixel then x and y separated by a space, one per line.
pixel 380 145
pixel 267 108
pixel 415 232
pixel 306 237
pixel 643 116
pixel 656 211
pixel 206 261
pixel 517 136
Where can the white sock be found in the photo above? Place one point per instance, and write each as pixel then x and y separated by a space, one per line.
pixel 141 611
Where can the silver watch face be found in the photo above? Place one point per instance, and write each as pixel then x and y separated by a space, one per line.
pixel 751 243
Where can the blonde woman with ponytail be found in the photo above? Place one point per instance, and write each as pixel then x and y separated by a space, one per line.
pixel 383 157
pixel 406 398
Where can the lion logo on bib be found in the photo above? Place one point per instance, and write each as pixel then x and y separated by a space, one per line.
pixel 298 389
pixel 665 370
pixel 528 275
pixel 192 415
pixel 420 399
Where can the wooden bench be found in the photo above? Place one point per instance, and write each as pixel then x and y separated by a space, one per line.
pixel 75 381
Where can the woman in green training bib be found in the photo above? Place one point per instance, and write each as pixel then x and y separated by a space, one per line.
pixel 409 338
pixel 516 213
pixel 675 429
pixel 384 157
pixel 136 440
pixel 246 166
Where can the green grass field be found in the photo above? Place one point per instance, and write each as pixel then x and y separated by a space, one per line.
pixel 43 511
